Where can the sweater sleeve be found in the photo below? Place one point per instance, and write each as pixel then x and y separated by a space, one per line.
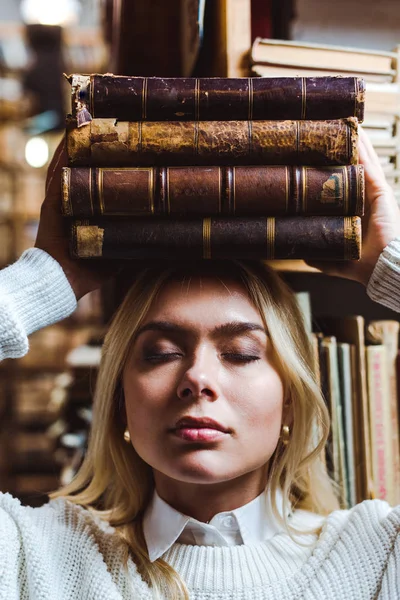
pixel 34 293
pixel 391 577
pixel 384 284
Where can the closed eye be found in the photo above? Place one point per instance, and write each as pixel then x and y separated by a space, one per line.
pixel 162 357
pixel 241 357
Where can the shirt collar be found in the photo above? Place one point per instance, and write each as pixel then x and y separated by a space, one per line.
pixel 163 525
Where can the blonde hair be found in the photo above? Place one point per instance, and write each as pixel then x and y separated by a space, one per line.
pixel 115 481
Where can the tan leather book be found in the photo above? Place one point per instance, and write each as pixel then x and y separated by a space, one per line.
pixel 108 143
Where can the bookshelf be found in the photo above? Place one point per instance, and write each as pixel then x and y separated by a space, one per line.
pixel 31 388
pixel 334 300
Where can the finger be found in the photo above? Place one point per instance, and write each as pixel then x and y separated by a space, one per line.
pixel 58 161
pixel 368 156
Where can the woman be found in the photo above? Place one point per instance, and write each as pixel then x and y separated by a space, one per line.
pixel 203 477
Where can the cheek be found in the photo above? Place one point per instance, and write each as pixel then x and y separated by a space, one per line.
pixel 260 401
pixel 146 398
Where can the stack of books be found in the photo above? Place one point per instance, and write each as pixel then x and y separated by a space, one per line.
pixel 214 168
pixel 379 69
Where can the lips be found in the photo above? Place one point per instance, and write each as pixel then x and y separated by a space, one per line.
pixel 200 423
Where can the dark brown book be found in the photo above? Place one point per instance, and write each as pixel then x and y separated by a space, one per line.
pixel 216 99
pixel 108 143
pixel 336 238
pixel 211 191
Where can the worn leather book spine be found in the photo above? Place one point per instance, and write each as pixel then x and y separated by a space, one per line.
pixel 336 238
pixel 211 191
pixel 216 99
pixel 108 143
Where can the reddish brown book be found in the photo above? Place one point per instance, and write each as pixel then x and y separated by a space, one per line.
pixel 108 143
pixel 216 99
pixel 212 191
pixel 336 238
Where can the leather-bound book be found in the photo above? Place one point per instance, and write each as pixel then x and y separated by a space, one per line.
pixel 108 143
pixel 215 99
pixel 336 238
pixel 211 191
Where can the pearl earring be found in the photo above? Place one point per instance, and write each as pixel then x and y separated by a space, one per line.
pixel 127 436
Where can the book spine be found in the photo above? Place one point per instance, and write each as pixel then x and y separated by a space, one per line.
pixel 386 332
pixel 212 191
pixel 108 143
pixel 216 99
pixel 336 238
pixel 336 411
pixel 344 365
pixel 380 422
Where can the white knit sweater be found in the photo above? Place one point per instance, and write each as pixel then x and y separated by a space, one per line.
pixel 60 551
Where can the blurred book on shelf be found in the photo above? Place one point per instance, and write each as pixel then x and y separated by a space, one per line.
pixel 51 411
pixel 359 381
pixel 279 58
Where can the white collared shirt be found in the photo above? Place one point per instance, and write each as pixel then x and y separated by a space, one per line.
pixel 251 523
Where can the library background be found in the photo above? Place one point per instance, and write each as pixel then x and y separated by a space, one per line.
pixel 45 397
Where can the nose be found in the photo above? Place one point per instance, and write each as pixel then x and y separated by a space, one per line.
pixel 201 378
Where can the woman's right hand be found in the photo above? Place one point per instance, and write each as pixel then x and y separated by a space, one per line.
pixel 53 235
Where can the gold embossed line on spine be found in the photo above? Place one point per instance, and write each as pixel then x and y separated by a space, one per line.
pixel 144 99
pixel 360 190
pixel 196 137
pixel 251 98
pixel 270 237
pixel 287 189
pixel 150 171
pixel 345 191
pixel 197 99
pixel 99 188
pixel 233 191
pixel 303 202
pixel 303 97
pixel 168 192
pixel 66 188
pixel 207 237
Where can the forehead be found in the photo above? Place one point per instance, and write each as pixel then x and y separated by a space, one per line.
pixel 203 302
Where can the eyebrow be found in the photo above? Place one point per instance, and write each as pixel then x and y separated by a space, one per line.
pixel 233 328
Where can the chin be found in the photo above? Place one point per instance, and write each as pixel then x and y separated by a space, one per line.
pixel 198 471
